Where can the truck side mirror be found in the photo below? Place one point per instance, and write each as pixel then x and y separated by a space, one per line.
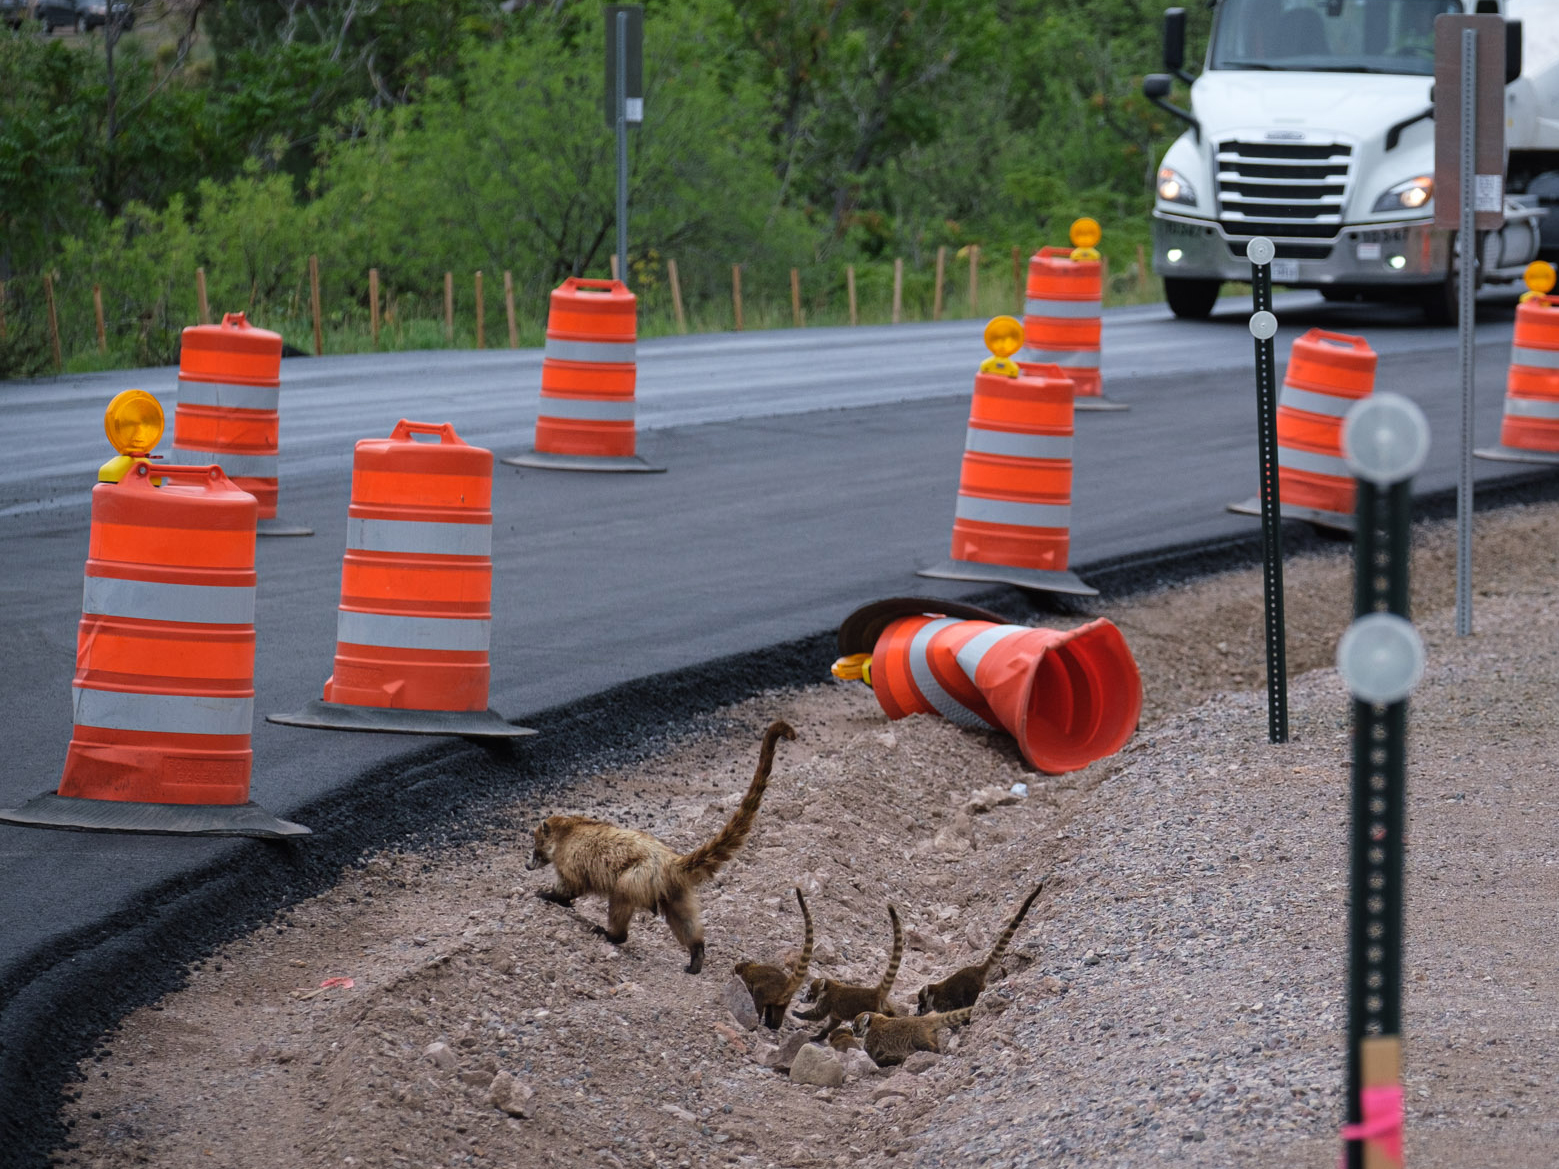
pixel 1156 86
pixel 1174 39
pixel 1512 50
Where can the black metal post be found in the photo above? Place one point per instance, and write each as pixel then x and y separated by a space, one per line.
pixel 1271 516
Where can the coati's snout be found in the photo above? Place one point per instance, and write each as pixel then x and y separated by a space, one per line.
pixel 541 854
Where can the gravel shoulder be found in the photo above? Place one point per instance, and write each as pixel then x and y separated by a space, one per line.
pixel 1175 996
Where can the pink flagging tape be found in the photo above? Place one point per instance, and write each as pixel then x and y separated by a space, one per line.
pixel 1382 1123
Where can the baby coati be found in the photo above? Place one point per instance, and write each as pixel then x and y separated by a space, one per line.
pixel 960 989
pixel 839 1002
pixel 843 1039
pixel 772 987
pixel 889 1040
pixel 635 871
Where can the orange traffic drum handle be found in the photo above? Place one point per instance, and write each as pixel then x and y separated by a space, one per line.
pixel 1339 340
pixel 1050 253
pixel 591 284
pixel 209 476
pixel 405 428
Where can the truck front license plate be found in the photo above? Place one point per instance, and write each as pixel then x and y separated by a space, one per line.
pixel 1285 271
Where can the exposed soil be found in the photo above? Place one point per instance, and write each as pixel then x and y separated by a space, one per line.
pixel 1175 996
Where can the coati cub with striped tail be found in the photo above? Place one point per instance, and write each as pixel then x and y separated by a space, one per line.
pixel 772 987
pixel 960 989
pixel 889 1040
pixel 839 1002
pixel 635 871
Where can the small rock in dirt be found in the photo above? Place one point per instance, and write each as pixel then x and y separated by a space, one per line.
pixel 919 1061
pixel 1021 790
pixel 679 1113
pixel 786 1051
pixel 987 798
pixel 477 1078
pixel 857 1064
pixel 736 998
pixel 732 1036
pixel 949 843
pixel 1050 984
pixel 509 1095
pixel 440 1055
pixel 1090 959
pixel 815 1064
pixel 928 943
pixel 898 1084
pixel 764 1053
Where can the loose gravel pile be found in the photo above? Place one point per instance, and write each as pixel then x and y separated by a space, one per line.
pixel 1175 996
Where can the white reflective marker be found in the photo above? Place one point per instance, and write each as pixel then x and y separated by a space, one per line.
pixel 1263 325
pixel 1260 250
pixel 1385 438
pixel 1381 658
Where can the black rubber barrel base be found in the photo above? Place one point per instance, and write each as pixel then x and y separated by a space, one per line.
pixel 275 527
pixel 1098 402
pixel 550 462
pixel 336 716
pixel 1510 454
pixel 1335 520
pixel 74 814
pixel 1035 579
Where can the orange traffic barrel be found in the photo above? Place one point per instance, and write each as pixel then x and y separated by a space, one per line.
pixel 1062 322
pixel 1068 697
pixel 1529 432
pixel 1012 521
pixel 1327 373
pixel 228 410
pixel 163 696
pixel 588 372
pixel 412 630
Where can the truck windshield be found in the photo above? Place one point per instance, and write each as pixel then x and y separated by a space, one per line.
pixel 1329 36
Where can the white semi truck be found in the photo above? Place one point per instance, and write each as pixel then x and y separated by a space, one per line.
pixel 1311 124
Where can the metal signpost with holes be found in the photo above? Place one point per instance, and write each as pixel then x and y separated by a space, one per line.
pixel 1381 658
pixel 624 102
pixel 1264 327
pixel 1469 97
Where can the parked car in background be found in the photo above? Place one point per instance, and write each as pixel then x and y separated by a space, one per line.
pixel 13 12
pixel 81 15
pixel 92 14
pixel 53 14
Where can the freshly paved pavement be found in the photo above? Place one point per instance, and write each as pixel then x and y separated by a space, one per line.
pixel 809 471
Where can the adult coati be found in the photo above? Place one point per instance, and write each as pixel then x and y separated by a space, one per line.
pixel 633 870
pixel 961 988
pixel 889 1040
pixel 772 987
pixel 839 1002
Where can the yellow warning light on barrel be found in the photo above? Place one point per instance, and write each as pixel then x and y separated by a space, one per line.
pixel 1085 233
pixel 1540 276
pixel 133 422
pixel 1003 337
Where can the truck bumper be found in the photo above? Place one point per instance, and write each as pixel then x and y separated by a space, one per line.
pixel 1395 255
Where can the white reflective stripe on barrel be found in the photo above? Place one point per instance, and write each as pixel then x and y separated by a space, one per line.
pixel 147 600
pixel 1534 358
pixel 400 632
pixel 1532 407
pixel 1313 403
pixel 168 714
pixel 925 681
pixel 229 396
pixel 602 352
pixel 1057 309
pixel 975 649
pixel 1298 460
pixel 419 536
pixel 1019 515
pixel 1023 446
pixel 1065 358
pixel 233 466
pixel 587 409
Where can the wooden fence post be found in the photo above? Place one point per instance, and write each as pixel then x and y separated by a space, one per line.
pixel 97 308
pixel 319 337
pixel 5 327
pixel 1104 277
pixel 676 295
pixel 615 275
pixel 974 280
pixel 898 289
pixel 1142 269
pixel 795 298
pixel 1017 278
pixel 54 321
pixel 481 331
pixel 849 283
pixel 373 304
pixel 736 294
pixel 200 296
pixel 508 308
pixel 449 308
pixel 941 273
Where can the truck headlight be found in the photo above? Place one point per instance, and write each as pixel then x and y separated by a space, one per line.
pixel 1409 195
pixel 1172 187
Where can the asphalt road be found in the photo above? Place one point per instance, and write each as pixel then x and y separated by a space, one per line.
pixel 808 472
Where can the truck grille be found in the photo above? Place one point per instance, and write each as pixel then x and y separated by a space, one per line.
pixel 1283 190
